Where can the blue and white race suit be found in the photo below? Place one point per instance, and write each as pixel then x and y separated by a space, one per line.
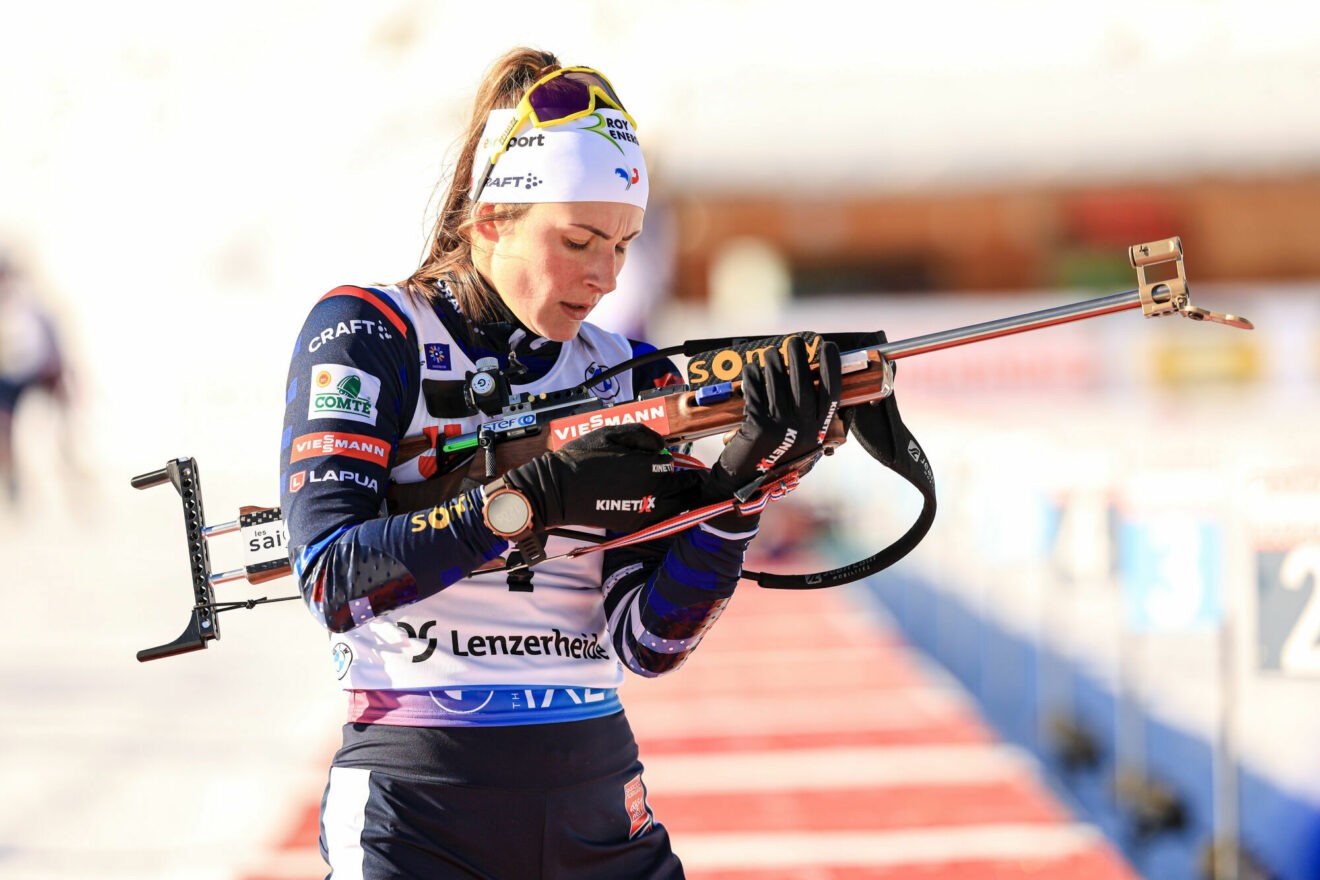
pixel 416 639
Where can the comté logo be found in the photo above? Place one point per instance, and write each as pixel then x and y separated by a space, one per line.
pixel 647 412
pixel 343 392
pixel 357 446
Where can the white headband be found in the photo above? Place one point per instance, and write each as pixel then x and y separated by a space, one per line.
pixel 593 159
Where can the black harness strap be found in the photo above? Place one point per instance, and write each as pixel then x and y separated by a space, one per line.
pixel 879 429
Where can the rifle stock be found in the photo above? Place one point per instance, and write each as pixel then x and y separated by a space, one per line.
pixel 685 420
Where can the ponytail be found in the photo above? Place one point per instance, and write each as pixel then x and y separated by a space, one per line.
pixel 449 251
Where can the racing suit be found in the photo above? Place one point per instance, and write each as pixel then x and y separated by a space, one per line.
pixel 468 694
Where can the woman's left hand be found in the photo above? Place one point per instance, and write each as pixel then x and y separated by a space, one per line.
pixel 617 477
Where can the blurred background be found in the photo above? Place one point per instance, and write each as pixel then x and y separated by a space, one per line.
pixel 1125 574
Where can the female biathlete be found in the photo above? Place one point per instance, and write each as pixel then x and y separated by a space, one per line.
pixel 485 737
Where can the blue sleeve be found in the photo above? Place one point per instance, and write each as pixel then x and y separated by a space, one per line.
pixel 660 608
pixel 661 599
pixel 352 390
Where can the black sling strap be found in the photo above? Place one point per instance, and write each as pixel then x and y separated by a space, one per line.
pixel 879 429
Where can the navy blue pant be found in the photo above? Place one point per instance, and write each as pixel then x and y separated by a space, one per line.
pixel 509 803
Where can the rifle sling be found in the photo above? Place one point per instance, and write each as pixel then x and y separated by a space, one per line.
pixel 879 429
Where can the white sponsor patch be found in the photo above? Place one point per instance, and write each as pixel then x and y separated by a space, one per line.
pixel 265 542
pixel 646 412
pixel 342 392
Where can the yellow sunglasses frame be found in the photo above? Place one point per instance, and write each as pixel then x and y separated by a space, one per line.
pixel 525 111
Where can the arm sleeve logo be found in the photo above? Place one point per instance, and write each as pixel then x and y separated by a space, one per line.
pixel 342 392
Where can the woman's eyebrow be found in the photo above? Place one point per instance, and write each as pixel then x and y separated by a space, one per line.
pixel 594 231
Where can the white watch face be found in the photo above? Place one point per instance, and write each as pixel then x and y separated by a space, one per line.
pixel 508 513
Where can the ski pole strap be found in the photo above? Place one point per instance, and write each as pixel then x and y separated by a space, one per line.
pixel 879 429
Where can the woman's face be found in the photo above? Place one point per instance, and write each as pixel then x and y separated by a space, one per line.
pixel 552 265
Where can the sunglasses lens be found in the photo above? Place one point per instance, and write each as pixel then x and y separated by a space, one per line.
pixel 595 79
pixel 559 98
pixel 567 94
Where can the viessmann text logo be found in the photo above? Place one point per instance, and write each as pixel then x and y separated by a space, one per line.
pixel 342 392
pixel 647 412
pixel 357 446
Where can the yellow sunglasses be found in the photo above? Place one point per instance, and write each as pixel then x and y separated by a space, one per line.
pixel 560 96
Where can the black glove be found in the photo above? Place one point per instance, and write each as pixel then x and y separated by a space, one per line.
pixel 785 415
pixel 617 478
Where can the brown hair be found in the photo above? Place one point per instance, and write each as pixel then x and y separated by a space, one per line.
pixel 449 251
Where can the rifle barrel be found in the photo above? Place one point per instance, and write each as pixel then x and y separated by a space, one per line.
pixel 1078 311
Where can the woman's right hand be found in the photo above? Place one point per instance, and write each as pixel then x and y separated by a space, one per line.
pixel 617 477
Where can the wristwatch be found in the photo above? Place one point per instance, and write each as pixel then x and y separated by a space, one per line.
pixel 508 513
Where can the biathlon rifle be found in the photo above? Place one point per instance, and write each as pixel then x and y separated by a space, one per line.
pixel 519 427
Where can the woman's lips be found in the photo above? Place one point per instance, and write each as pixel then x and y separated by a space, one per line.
pixel 574 311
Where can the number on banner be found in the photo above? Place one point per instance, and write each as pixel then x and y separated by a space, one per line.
pixel 1301 649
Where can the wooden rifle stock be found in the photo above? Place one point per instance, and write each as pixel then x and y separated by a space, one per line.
pixel 686 419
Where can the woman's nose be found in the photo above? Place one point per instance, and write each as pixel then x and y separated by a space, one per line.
pixel 605 273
